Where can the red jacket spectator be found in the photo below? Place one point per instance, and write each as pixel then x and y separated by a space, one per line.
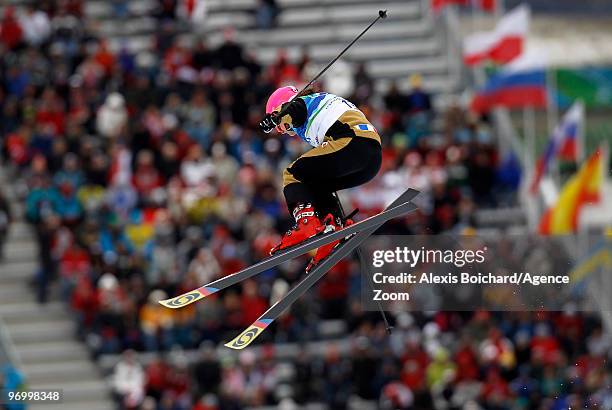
pixel 414 364
pixel 176 57
pixel 51 112
pixel 74 261
pixel 495 390
pixel 105 57
pixel 17 146
pixel 467 364
pixel 85 301
pixel 283 71
pixel 157 380
pixel 253 304
pixel 335 284
pixel 11 33
pixel 146 177
pixel 546 347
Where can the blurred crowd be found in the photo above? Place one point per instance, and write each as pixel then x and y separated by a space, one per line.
pixel 146 176
pixel 456 361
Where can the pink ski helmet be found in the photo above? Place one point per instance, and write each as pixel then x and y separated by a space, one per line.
pixel 279 97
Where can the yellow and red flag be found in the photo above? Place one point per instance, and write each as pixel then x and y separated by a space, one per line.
pixel 584 188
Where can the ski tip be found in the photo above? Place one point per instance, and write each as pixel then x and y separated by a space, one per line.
pixel 182 300
pixel 246 338
pixel 188 298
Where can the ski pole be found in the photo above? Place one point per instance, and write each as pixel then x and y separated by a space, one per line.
pixel 382 14
pixel 363 263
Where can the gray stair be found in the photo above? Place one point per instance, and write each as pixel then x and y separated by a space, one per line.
pixel 51 330
pixel 81 390
pixel 15 292
pixel 17 269
pixel 89 404
pixel 51 352
pixel 20 230
pixel 43 336
pixel 67 370
pixel 27 312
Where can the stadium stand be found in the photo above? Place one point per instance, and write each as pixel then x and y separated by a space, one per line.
pixel 409 42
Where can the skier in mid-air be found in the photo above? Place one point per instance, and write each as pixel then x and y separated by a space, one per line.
pixel 347 153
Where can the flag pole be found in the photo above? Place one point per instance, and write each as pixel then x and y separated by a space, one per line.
pixel 526 160
pixel 473 16
pixel 580 146
pixel 552 116
pixel 552 106
pixel 499 8
pixel 529 134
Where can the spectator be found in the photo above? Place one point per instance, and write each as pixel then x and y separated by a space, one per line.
pixel 207 371
pixel 266 13
pixel 70 174
pixel 440 372
pixel 364 85
pixel 229 54
pixel 156 322
pixel 112 117
pixel 283 71
pixel 156 378
pixel 36 26
pixel 200 119
pixel 128 381
pixel 46 236
pixel 11 33
pixel 204 266
pixel 418 100
pixel 196 169
pixel 146 178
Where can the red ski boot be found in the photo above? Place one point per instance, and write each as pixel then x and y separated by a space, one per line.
pixel 307 225
pixel 324 251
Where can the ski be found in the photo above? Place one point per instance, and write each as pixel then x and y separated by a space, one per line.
pixel 277 259
pixel 247 336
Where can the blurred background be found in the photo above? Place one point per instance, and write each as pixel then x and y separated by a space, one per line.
pixel 133 170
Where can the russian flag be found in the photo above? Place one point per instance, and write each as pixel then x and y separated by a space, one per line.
pixel 563 142
pixel 512 90
pixel 501 45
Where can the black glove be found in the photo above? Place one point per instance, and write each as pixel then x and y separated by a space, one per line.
pixel 269 122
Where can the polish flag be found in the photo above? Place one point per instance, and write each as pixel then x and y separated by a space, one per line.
pixel 501 45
